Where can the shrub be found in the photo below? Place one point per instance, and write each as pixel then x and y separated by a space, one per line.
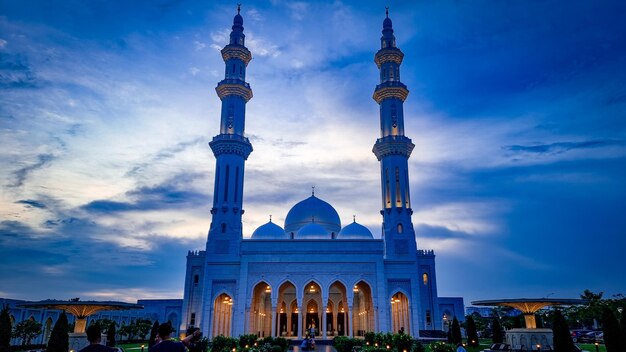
pixel 223 344
pixel 560 330
pixel 59 338
pixel 345 344
pixel 5 330
pixel 472 334
pixel 282 342
pixel 417 346
pixel 402 342
pixel 247 341
pixel 441 347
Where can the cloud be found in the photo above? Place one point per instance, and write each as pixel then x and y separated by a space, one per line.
pixel 32 203
pixel 22 173
pixel 562 147
pixel 16 73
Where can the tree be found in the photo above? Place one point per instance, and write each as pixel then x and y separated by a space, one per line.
pixel 5 330
pixel 143 327
pixel 613 339
pixel 59 338
pixel 623 322
pixel 456 332
pixel 153 334
pixel 560 330
pixel 27 330
pixel 472 334
pixel 111 335
pixel 497 330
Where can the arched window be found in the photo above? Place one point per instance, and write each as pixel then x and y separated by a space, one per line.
pixel 196 278
pixel 425 279
pixel 400 228
pixel 223 227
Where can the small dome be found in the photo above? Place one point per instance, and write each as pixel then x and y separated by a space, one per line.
pixel 238 20
pixel 312 208
pixel 269 231
pixel 313 231
pixel 387 23
pixel 355 231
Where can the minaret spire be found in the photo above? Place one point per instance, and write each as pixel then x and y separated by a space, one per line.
pixel 230 147
pixel 393 148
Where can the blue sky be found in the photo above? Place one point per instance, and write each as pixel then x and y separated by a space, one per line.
pixel 517 110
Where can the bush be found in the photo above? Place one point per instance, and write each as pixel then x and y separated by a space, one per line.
pixel 59 338
pixel 276 348
pixel 417 346
pixel 441 347
pixel 247 341
pixel 223 344
pixel 282 342
pixel 5 330
pixel 402 342
pixel 345 344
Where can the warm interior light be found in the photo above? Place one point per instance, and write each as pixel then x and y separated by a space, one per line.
pixel 312 289
pixel 355 289
pixel 268 289
pixel 312 310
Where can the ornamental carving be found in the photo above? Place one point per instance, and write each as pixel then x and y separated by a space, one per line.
pixel 231 144
pixel 236 52
pixel 385 92
pixel 393 145
pixel 387 55
pixel 225 89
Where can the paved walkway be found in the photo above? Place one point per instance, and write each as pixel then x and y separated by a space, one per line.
pixel 318 348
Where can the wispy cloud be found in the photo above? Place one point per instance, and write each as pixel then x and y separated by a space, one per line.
pixel 22 173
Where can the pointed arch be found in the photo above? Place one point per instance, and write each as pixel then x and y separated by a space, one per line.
pixel 288 319
pixel 261 310
pixel 363 314
pixel 337 320
pixel 311 319
pixel 400 311
pixel 222 315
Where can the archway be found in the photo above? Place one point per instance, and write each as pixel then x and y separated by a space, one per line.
pixel 400 312
pixel 261 310
pixel 362 309
pixel 222 315
pixel 47 330
pixel 336 323
pixel 288 313
pixel 313 300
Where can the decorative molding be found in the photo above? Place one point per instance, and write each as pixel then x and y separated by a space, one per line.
pixel 388 54
pixel 234 87
pixel 390 91
pixel 236 52
pixel 231 144
pixel 393 145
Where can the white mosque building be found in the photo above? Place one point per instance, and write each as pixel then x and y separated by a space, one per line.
pixel 312 273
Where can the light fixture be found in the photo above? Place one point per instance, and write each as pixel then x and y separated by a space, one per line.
pixel 312 310
pixel 355 289
pixel 312 289
pixel 268 289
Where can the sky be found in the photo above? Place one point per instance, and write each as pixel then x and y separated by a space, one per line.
pixel 517 110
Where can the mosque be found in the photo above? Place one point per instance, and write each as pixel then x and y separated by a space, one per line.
pixel 312 275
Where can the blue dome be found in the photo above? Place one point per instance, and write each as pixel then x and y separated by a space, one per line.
pixel 238 19
pixel 314 209
pixel 355 231
pixel 313 231
pixel 269 231
pixel 387 23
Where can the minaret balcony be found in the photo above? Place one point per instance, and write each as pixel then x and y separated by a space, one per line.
pixel 390 89
pixel 231 144
pixel 235 51
pixel 393 145
pixel 234 87
pixel 388 54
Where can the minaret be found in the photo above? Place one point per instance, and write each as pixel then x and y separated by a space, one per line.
pixel 231 148
pixel 393 150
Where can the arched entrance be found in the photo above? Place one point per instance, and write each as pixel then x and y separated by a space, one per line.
pixel 288 313
pixel 362 309
pixel 261 310
pixel 312 300
pixel 222 315
pixel 337 309
pixel 47 330
pixel 400 312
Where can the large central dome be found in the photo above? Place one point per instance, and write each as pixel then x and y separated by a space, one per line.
pixel 312 209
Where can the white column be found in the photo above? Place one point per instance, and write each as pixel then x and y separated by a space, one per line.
pixel 324 322
pixel 273 321
pixel 350 332
pixel 300 315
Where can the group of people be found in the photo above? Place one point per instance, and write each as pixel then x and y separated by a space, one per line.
pixel 163 341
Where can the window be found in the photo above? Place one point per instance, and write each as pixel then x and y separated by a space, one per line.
pixel 223 227
pixel 196 278
pixel 428 318
pixel 425 279
pixel 192 320
pixel 400 228
pixel 226 183
pixel 233 68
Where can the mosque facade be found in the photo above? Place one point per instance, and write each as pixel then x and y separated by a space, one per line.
pixel 312 275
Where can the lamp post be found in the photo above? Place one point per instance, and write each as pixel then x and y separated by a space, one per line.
pixel 597 346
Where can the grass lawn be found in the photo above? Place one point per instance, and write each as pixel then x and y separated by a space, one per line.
pixel 591 347
pixel 133 347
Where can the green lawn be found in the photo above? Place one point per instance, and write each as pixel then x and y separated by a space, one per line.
pixel 133 347
pixel 591 347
